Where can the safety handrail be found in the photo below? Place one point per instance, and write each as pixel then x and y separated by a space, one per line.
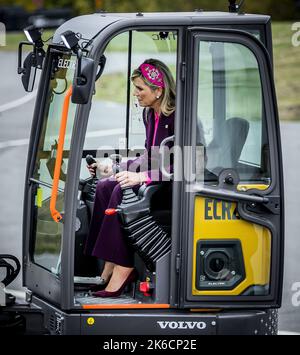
pixel 167 175
pixel 59 155
pixel 223 194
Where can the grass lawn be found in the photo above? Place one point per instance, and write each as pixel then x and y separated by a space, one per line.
pixel 287 71
pixel 14 38
pixel 286 62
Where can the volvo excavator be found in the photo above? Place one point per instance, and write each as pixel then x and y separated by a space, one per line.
pixel 209 240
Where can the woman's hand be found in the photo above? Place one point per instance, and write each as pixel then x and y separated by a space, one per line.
pixel 128 178
pixel 104 169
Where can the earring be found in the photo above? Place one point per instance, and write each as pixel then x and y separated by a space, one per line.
pixel 157 97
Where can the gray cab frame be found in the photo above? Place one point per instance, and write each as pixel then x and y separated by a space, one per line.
pixel 102 28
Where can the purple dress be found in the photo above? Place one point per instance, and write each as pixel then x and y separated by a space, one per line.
pixel 105 239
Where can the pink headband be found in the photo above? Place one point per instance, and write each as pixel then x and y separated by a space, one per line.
pixel 152 74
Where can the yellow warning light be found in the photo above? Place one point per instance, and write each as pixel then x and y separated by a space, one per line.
pixel 90 321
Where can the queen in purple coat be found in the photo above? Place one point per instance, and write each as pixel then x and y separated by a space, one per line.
pixel 154 87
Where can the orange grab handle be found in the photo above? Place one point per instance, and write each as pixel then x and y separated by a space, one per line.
pixel 59 155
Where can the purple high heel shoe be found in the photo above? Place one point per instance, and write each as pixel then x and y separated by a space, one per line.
pixel 101 285
pixel 104 294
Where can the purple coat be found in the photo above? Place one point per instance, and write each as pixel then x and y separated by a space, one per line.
pixel 149 161
pixel 105 239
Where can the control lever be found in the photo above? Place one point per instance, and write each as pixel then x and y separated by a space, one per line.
pixel 116 160
pixel 90 160
pixel 129 196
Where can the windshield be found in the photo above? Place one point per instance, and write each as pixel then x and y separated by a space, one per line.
pixel 48 233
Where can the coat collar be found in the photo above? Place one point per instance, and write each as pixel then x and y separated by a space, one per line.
pixel 162 117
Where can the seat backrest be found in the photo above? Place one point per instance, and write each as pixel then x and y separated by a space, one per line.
pixel 237 131
pixel 225 152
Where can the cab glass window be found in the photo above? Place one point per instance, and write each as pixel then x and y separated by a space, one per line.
pixel 48 233
pixel 230 112
pixel 115 122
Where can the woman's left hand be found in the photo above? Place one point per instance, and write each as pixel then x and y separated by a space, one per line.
pixel 128 178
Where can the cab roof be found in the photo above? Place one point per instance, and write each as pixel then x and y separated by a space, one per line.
pixel 89 26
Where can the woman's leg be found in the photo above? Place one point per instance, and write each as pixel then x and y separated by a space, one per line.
pixel 107 271
pixel 111 244
pixel 119 275
pixel 114 246
pixel 103 193
pixel 106 239
pixel 102 196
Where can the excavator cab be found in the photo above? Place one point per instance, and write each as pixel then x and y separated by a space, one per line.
pixel 208 240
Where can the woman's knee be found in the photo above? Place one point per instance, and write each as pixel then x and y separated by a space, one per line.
pixel 107 182
pixel 116 196
pixel 105 185
pixel 117 189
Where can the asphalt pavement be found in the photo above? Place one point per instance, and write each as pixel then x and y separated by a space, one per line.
pixel 16 108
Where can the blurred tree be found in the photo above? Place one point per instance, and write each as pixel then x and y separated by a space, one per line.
pixel 278 9
pixel 28 5
pixel 163 5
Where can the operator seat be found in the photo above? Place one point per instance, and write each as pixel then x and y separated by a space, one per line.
pixel 224 152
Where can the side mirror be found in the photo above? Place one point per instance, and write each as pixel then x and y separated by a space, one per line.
pixel 84 81
pixel 29 72
pixel 32 62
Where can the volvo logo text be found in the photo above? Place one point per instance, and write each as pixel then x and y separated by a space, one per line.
pixel 181 325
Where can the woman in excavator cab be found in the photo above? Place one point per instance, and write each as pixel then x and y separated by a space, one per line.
pixel 154 88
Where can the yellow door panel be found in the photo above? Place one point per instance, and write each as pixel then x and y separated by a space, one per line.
pixel 217 222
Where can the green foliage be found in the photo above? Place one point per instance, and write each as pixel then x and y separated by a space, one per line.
pixel 162 5
pixel 278 9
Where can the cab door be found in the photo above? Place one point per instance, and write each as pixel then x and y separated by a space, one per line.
pixel 231 238
pixel 44 234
